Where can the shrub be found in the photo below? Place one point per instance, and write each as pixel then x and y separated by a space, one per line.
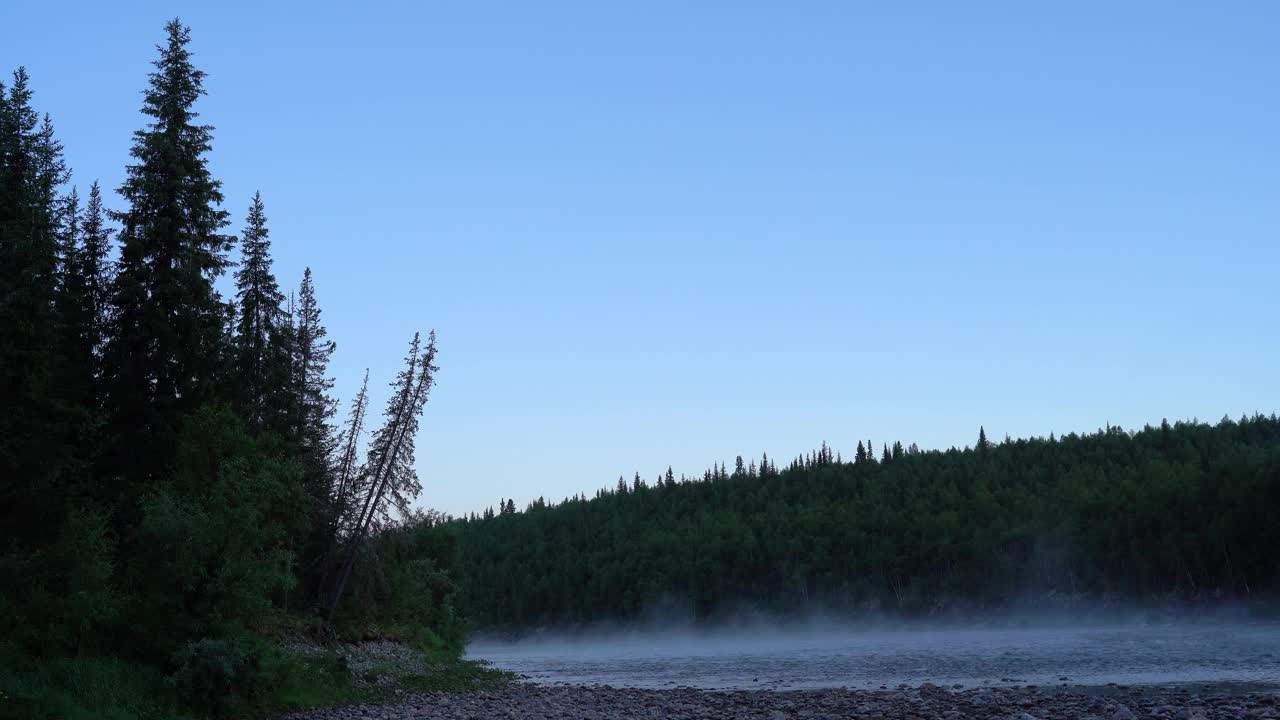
pixel 219 675
pixel 84 688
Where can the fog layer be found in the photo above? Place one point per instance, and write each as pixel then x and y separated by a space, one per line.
pixel 822 653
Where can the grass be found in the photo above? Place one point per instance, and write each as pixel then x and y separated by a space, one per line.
pixel 313 682
pixel 318 688
pixel 319 682
pixel 434 666
pixel 458 676
pixel 86 688
pixel 96 688
pixel 437 666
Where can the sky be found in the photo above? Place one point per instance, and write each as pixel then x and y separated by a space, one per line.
pixel 669 233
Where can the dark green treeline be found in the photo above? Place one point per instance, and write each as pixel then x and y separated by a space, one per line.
pixel 1184 511
pixel 172 479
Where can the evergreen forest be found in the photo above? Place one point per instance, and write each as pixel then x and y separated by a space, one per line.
pixel 1182 513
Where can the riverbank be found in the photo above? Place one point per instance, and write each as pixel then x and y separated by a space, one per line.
pixel 533 702
pixel 290 674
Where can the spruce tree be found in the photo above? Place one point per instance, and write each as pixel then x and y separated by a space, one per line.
pixel 66 238
pixel 32 232
pixel 400 481
pixel 95 271
pixel 315 406
pixel 76 360
pixel 35 429
pixel 66 296
pixel 86 280
pixel 168 336
pixel 258 300
pixel 283 404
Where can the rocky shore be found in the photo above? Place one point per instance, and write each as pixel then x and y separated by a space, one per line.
pixel 928 702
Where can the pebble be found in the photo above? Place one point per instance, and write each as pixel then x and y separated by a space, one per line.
pixel 535 702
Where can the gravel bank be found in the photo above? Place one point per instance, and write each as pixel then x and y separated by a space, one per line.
pixel 379 663
pixel 928 702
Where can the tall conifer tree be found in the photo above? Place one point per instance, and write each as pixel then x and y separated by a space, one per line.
pixel 93 272
pixel 283 401
pixel 168 336
pixel 67 236
pixel 34 423
pixel 83 314
pixel 315 406
pixel 75 361
pixel 258 299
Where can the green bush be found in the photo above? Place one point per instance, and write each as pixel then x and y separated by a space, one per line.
pixel 402 589
pixel 85 688
pixel 212 549
pixel 220 676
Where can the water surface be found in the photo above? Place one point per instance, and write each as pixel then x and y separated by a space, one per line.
pixel 1239 653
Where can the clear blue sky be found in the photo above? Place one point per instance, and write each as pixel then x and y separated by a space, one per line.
pixel 660 233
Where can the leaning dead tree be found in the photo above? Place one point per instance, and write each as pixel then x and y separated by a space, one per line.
pixel 388 476
pixel 347 466
pixel 345 485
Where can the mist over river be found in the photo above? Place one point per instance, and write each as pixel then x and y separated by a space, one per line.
pixel 833 656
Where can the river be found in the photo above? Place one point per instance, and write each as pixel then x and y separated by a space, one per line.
pixel 832 656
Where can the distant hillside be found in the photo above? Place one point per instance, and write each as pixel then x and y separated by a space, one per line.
pixel 1185 511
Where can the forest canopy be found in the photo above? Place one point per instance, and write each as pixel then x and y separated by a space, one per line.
pixel 1178 512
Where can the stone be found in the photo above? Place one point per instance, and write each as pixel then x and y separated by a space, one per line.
pixel 545 702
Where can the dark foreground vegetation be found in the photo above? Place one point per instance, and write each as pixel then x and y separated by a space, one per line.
pixel 175 499
pixel 1182 512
